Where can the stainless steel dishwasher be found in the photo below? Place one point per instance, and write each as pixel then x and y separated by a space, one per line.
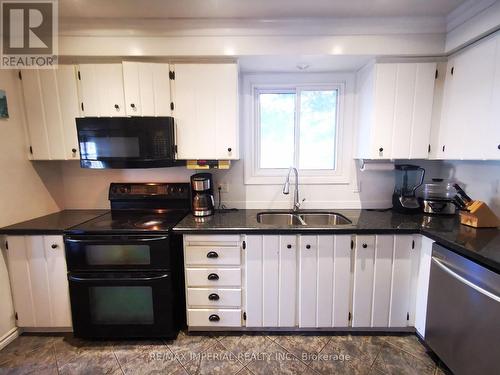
pixel 463 314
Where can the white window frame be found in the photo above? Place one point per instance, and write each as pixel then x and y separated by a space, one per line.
pixel 254 84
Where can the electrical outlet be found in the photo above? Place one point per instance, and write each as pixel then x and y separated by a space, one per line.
pixel 224 187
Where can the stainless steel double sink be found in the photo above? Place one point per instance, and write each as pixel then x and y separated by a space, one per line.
pixel 302 218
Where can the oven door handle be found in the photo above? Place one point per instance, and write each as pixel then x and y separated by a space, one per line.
pixel 102 279
pixel 93 239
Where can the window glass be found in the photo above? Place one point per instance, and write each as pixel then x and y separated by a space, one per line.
pixel 318 117
pixel 277 127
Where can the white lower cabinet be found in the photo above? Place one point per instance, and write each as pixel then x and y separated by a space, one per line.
pixel 382 281
pixel 38 276
pixel 213 275
pixel 422 284
pixel 307 281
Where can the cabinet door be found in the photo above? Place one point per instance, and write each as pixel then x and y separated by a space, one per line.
pixel 227 124
pixel 401 277
pixel 308 278
pixel 60 308
pixel 422 289
pixel 270 280
pixel 413 110
pixel 101 89
pixel 147 89
pixel 385 93
pixel 35 249
pixel 382 277
pixel 287 281
pixel 52 112
pixel 20 280
pixel 491 141
pixel 476 71
pixel 254 281
pixel 35 115
pixel 69 107
pixel 205 100
pixel 364 261
pixel 39 282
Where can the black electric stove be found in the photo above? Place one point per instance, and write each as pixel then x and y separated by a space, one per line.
pixel 125 268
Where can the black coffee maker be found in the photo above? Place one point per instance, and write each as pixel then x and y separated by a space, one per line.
pixel 202 194
pixel 408 179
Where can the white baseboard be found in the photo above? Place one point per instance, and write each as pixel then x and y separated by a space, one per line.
pixel 8 337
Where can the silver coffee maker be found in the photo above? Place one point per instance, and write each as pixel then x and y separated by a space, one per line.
pixel 202 194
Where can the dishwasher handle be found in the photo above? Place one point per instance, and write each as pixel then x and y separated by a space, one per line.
pixel 463 280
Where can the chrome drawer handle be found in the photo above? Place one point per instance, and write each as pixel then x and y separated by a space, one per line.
pixel 212 254
pixel 213 297
pixel 213 276
pixel 214 318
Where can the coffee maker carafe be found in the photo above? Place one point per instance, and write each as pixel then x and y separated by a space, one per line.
pixel 408 179
pixel 202 194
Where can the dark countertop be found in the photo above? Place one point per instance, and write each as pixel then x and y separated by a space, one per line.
pixel 481 245
pixel 55 223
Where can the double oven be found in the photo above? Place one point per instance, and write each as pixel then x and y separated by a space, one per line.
pixel 121 285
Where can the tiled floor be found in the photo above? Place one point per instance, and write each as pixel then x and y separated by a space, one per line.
pixel 243 355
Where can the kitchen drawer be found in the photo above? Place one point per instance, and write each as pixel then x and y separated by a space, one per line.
pixel 212 255
pixel 201 318
pixel 199 297
pixel 225 277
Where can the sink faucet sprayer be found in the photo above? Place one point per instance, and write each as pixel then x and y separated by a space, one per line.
pixel 286 188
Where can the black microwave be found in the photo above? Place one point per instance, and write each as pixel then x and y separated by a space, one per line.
pixel 127 142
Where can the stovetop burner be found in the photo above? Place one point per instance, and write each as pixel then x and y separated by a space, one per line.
pixel 142 208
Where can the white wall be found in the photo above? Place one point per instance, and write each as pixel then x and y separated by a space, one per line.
pixel 23 194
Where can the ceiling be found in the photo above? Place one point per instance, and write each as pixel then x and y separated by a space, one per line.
pixel 254 8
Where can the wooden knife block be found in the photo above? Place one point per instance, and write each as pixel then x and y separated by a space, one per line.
pixel 479 215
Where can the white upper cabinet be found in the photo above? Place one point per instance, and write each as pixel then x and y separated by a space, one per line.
pixel 147 89
pixel 101 90
pixel 51 103
pixel 205 98
pixel 470 127
pixel 394 110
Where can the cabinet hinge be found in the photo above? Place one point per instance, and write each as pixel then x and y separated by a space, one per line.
pixel 349 317
pixel 175 149
pixel 31 150
pixel 172 106
pixel 20 75
pixel 15 315
pixel 244 315
pixel 452 70
pixel 429 149
pixel 79 76
pixel 244 245
pixel 413 244
pixel 7 245
pixel 82 107
pixel 407 316
pixel 171 75
pixel 436 75
pixel 352 244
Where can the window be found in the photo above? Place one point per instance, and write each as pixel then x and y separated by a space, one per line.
pixel 297 128
pixel 306 124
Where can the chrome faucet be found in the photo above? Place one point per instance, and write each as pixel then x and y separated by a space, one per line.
pixel 286 188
